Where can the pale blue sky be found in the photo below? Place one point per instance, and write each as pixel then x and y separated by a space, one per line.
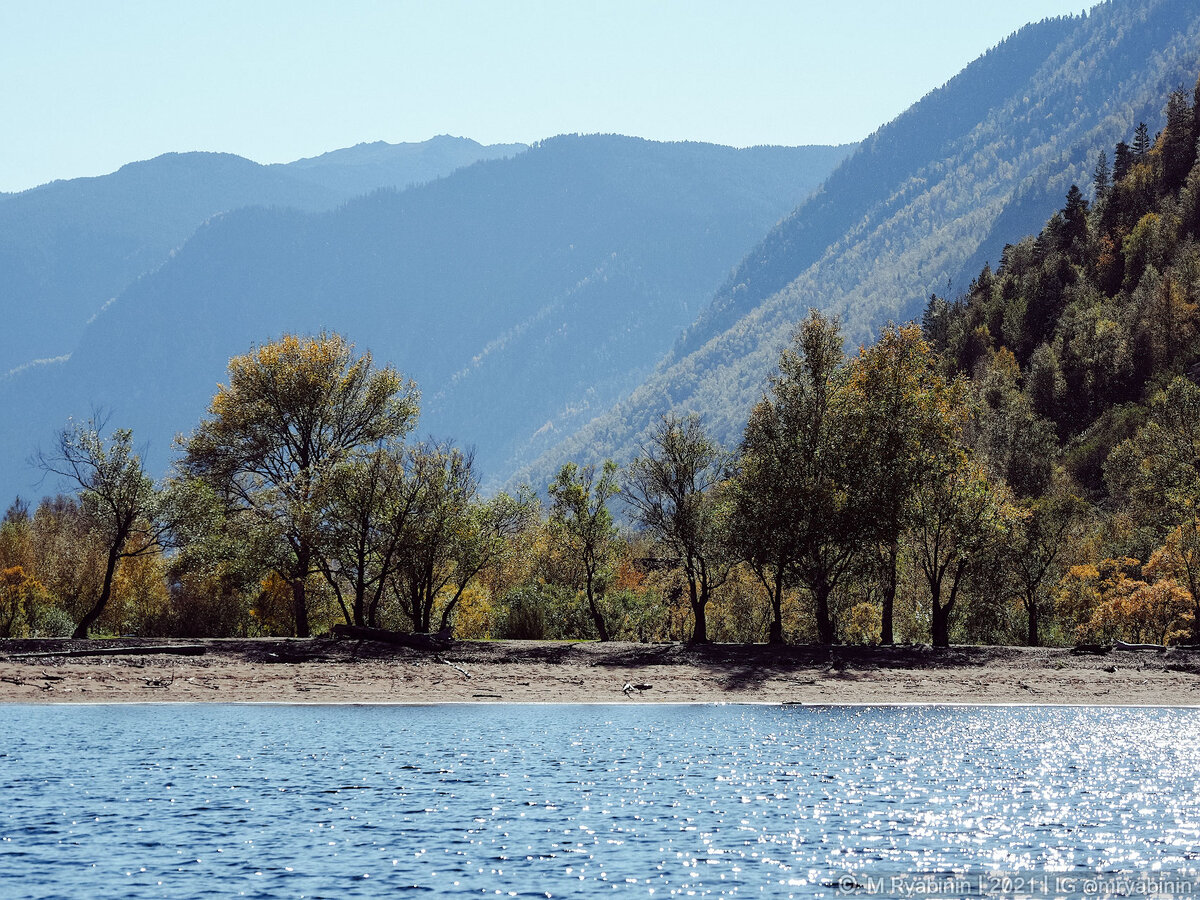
pixel 89 85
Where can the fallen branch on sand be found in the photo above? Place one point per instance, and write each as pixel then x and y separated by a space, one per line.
pixel 447 662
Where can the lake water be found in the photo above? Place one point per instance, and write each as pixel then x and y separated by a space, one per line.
pixel 549 801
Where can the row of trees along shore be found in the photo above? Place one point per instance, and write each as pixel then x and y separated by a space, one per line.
pixel 1022 467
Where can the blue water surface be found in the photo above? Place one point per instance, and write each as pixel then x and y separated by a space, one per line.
pixel 580 800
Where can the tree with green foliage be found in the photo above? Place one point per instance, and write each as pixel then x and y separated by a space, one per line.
pixel 293 410
pixel 369 499
pixel 436 524
pixel 1032 555
pixel 760 515
pixel 1178 142
pixel 673 489
pixel 1101 175
pixel 1122 161
pixel 1156 472
pixel 806 459
pixel 118 500
pixel 1016 444
pixel 582 527
pixel 1075 225
pixel 960 516
pixel 489 539
pixel 903 410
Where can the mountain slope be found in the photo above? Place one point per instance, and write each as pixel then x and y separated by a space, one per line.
pixel 524 294
pixel 990 153
pixel 68 247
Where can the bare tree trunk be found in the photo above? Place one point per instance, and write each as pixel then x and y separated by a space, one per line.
pixel 698 596
pixel 1031 608
pixel 824 620
pixel 89 619
pixel 887 629
pixel 300 606
pixel 940 624
pixel 597 615
pixel 775 635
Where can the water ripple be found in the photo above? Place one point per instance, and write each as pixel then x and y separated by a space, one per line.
pixel 536 801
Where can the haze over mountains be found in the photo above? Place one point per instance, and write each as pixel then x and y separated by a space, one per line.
pixel 68 247
pixel 525 294
pixel 553 303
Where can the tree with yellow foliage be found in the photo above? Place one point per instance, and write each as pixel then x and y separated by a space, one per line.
pixel 119 502
pixel 292 411
pixel 1178 560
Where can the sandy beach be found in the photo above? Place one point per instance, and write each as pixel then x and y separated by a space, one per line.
pixel 348 671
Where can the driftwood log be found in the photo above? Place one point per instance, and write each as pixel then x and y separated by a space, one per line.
pixel 1122 645
pixel 414 641
pixel 177 650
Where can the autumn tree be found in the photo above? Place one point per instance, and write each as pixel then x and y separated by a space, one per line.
pixel 582 528
pixel 672 487
pixel 118 502
pixel 292 411
pixel 1178 559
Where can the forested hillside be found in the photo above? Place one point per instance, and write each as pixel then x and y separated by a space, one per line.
pixel 69 247
pixel 920 206
pixel 1094 318
pixel 525 295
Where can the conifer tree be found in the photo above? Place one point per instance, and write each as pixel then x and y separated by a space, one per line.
pixel 1101 176
pixel 1122 161
pixel 1141 141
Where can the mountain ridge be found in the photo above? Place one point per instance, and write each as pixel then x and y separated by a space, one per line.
pixel 926 228
pixel 70 246
pixel 521 291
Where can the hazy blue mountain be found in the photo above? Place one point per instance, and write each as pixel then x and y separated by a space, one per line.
pixel 918 208
pixel 525 294
pixel 365 167
pixel 69 247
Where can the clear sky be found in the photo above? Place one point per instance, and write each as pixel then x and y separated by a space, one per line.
pixel 88 85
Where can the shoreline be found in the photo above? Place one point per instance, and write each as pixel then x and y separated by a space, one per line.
pixel 323 671
pixel 786 704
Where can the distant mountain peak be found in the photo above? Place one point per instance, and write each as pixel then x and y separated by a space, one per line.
pixel 377 152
